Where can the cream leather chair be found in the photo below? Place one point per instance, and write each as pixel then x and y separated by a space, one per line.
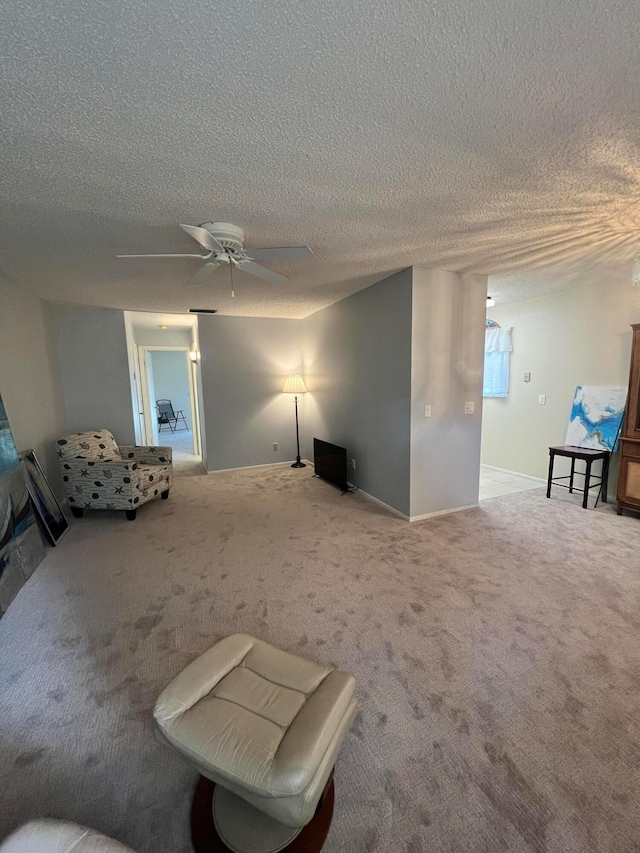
pixel 59 836
pixel 264 725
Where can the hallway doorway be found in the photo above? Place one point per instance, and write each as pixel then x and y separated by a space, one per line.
pixel 170 401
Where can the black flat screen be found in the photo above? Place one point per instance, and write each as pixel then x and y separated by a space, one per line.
pixel 330 462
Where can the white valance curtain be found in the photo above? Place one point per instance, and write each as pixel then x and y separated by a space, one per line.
pixel 497 346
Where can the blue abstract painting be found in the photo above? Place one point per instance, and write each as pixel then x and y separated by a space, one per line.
pixel 21 546
pixel 596 416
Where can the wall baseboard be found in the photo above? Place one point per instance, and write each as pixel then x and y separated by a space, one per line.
pixel 380 503
pixel 443 512
pixel 412 518
pixel 250 467
pixel 514 473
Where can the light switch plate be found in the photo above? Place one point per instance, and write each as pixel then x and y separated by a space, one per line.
pixel 542 399
pixel 527 377
pixel 469 408
pixel 427 411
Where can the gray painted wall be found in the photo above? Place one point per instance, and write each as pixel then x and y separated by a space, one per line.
pixel 244 362
pixel 357 365
pixel 447 366
pixel 94 370
pixel 29 379
pixel 171 381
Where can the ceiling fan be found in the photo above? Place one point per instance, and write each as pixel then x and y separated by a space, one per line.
pixel 224 244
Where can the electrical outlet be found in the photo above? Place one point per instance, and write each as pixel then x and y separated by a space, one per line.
pixel 527 377
pixel 353 464
pixel 275 445
pixel 542 399
pixel 469 408
pixel 427 411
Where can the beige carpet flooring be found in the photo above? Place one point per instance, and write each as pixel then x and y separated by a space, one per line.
pixel 496 653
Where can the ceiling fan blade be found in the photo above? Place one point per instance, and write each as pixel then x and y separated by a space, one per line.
pixel 203 273
pixel 262 272
pixel 160 256
pixel 203 237
pixel 293 252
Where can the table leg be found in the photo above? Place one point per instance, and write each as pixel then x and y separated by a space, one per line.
pixel 605 477
pixel 573 470
pixel 587 479
pixel 551 456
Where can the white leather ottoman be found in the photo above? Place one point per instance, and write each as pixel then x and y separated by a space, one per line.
pixel 59 836
pixel 266 726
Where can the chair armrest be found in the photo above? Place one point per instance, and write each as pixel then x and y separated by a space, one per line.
pixel 147 455
pixel 115 466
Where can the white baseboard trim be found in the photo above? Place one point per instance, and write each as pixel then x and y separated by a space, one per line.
pixel 515 473
pixel 251 467
pixel 413 518
pixel 443 512
pixel 380 503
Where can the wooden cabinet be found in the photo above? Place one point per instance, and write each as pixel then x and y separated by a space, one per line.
pixel 629 476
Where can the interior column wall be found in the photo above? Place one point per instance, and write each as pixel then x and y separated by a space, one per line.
pixel 447 364
pixel 357 365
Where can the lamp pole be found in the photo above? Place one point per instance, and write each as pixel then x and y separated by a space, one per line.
pixel 297 463
pixel 295 385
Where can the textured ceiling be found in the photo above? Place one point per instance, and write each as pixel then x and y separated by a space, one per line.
pixel 486 135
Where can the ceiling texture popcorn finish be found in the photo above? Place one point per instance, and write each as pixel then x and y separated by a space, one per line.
pixel 484 136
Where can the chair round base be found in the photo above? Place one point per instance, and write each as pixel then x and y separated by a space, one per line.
pixel 222 822
pixel 245 829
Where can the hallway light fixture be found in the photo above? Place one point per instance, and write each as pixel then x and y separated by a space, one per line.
pixel 295 385
pixel 490 301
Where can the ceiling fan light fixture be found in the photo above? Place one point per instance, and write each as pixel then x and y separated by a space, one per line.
pixel 224 243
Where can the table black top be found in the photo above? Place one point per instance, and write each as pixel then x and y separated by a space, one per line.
pixel 579 452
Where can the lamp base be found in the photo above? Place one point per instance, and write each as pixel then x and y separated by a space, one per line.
pixel 298 464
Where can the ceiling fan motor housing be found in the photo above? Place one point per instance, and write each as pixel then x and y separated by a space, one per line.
pixel 228 235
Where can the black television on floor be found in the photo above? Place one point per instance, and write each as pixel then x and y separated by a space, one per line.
pixel 330 462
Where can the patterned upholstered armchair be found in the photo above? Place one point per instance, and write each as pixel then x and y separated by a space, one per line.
pixel 98 474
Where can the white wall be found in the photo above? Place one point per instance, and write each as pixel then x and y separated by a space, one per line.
pixel 29 380
pixel 574 337
pixel 171 381
pixel 94 370
pixel 447 358
pixel 244 364
pixel 357 365
pixel 150 337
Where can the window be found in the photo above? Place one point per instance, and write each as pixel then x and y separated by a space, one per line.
pixel 497 349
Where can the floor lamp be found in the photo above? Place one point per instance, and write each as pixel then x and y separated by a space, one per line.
pixel 295 385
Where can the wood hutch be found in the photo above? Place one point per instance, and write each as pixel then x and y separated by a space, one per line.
pixel 629 476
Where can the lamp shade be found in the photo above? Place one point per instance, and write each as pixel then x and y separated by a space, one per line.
pixel 294 385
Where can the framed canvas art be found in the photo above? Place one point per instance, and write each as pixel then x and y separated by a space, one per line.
pixel 21 545
pixel 596 416
pixel 49 511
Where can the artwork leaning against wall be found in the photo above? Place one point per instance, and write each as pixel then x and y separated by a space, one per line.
pixel 21 545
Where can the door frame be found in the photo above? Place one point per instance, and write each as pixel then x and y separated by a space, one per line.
pixel 148 406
